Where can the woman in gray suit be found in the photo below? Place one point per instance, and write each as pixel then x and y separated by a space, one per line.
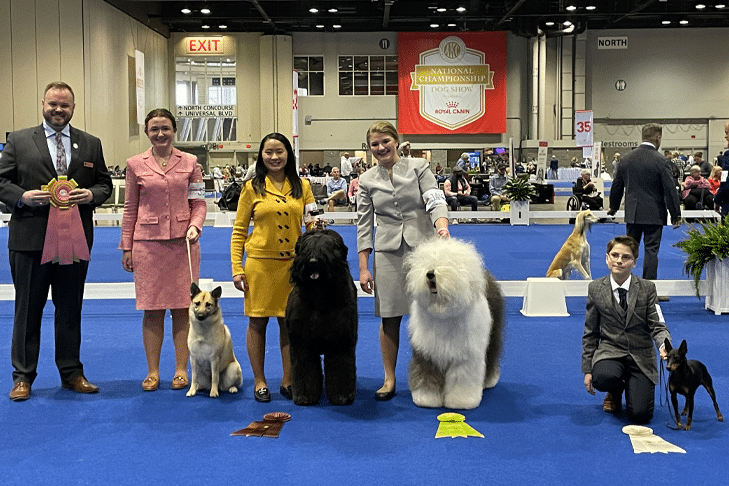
pixel 403 194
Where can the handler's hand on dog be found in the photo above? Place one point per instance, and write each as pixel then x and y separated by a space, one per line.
pixel 588 383
pixel 366 282
pixel 127 261
pixel 240 282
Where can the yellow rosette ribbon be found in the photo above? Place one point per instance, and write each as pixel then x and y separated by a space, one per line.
pixel 65 238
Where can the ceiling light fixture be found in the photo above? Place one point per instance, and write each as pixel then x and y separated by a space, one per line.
pixel 719 6
pixel 683 22
pixel 332 10
pixel 566 23
pixel 549 23
pixel 186 11
pixel 571 8
pixel 590 7
pixel 222 26
pixel 461 9
pixel 205 11
pixel 451 25
pixel 441 9
pixel 434 26
pixel 700 6
pixel 337 26
pixel 666 22
pixel 319 26
pixel 313 10
pixel 205 26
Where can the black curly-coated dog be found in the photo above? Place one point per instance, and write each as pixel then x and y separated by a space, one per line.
pixel 321 319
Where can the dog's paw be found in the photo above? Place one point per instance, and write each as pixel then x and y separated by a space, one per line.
pixel 342 400
pixel 464 398
pixel 492 378
pixel 232 389
pixel 427 399
pixel 214 392
pixel 192 391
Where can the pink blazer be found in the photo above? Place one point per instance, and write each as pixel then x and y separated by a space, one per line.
pixel 156 206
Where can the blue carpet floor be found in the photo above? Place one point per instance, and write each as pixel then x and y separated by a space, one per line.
pixel 540 426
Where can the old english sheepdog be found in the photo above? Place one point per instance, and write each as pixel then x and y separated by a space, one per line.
pixel 455 327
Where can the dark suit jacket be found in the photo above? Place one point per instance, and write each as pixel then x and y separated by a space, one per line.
pixel 611 333
pixel 722 195
pixel 26 164
pixel 650 192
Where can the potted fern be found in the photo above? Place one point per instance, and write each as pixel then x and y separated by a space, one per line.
pixel 519 192
pixel 707 247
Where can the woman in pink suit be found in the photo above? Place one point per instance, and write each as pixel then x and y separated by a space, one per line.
pixel 164 208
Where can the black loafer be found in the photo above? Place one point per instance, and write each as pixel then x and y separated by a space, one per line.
pixel 262 395
pixel 286 392
pixel 384 396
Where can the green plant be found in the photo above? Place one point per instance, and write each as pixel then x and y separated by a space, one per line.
pixel 702 245
pixel 519 190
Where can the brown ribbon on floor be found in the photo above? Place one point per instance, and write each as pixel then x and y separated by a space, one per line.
pixel 270 426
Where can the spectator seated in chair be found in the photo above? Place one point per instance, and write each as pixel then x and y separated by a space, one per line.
pixel 587 192
pixel 697 190
pixel 336 190
pixel 458 191
pixel 496 187
pixel 354 187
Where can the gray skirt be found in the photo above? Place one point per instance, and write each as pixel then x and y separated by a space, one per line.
pixel 389 277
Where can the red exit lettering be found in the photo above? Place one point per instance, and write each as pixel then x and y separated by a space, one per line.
pixel 204 45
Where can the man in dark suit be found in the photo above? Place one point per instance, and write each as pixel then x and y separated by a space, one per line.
pixel 30 160
pixel 645 177
pixel 721 200
pixel 622 324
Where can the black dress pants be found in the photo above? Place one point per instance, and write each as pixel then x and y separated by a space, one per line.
pixel 617 375
pixel 32 282
pixel 651 244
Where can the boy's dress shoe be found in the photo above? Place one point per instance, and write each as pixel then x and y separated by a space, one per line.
pixel 20 391
pixel 80 385
pixel 611 404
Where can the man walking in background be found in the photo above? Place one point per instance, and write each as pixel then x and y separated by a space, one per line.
pixel 644 175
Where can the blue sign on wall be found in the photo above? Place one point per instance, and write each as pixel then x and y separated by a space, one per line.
pixel 474 159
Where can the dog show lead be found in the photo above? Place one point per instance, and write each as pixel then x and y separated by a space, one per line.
pixel 403 193
pixel 276 199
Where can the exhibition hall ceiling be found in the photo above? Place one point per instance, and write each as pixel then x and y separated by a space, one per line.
pixel 526 18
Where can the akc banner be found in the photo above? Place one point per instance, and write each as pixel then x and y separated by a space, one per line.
pixel 451 83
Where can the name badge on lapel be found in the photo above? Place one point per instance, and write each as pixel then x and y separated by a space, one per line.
pixel 90 165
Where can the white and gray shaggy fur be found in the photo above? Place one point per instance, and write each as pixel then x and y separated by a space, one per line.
pixel 455 327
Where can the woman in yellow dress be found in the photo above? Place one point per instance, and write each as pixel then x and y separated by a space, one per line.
pixel 276 200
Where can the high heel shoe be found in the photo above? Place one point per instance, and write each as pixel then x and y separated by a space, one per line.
pixel 383 396
pixel 262 395
pixel 150 383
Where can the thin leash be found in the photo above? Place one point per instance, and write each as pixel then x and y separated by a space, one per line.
pixel 189 260
pixel 665 399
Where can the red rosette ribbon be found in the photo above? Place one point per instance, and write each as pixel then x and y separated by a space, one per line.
pixel 65 238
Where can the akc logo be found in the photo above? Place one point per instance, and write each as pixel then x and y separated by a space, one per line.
pixel 452 81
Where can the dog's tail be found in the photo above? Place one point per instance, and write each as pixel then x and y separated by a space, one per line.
pixel 495 299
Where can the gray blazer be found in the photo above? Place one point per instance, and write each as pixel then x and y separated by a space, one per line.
pixel 612 333
pixel 398 205
pixel 26 164
pixel 650 192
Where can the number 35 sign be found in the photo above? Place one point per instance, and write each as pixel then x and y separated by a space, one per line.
pixel 583 128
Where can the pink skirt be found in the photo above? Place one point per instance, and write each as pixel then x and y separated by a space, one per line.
pixel 162 273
